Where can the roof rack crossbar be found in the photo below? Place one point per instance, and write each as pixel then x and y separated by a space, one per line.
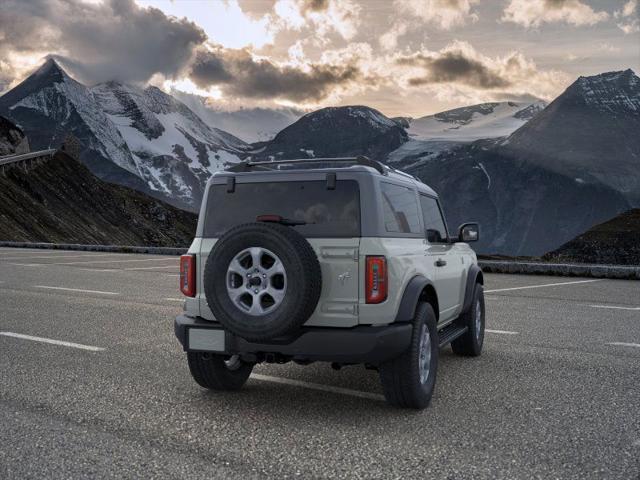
pixel 359 160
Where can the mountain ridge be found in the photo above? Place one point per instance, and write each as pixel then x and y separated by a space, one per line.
pixel 546 168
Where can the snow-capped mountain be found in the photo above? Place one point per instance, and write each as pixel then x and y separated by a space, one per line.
pixel 250 124
pixel 335 131
pixel 466 124
pixel 137 137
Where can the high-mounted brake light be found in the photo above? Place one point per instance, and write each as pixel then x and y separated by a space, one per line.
pixel 188 275
pixel 376 280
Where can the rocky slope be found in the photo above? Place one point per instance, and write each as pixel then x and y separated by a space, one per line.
pixel 611 242
pixel 12 139
pixel 61 201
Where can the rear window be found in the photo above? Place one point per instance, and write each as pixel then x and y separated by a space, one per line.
pixel 328 213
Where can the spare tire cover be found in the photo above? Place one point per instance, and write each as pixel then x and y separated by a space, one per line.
pixel 262 280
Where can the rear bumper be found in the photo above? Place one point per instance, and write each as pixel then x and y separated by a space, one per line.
pixel 361 344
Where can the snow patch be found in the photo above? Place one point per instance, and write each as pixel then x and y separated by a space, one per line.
pixel 499 121
pixel 309 153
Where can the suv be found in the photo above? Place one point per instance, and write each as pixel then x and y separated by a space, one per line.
pixel 341 260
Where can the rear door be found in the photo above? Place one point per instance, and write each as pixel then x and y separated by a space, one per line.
pixel 329 218
pixel 442 253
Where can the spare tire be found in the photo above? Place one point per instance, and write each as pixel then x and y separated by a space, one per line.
pixel 262 280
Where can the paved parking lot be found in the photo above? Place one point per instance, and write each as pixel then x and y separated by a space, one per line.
pixel 94 384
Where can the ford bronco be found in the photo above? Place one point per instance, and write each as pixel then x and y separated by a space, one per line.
pixel 341 260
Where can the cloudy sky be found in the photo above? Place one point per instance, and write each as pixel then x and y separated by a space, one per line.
pixel 404 57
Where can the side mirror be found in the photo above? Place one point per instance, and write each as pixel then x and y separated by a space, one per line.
pixel 469 232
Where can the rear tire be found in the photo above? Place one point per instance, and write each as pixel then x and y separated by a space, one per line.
pixel 470 344
pixel 409 380
pixel 218 372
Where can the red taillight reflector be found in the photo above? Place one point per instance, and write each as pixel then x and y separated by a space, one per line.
pixel 188 275
pixel 376 280
pixel 269 218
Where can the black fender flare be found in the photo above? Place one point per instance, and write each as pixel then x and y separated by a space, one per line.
pixel 411 297
pixel 473 276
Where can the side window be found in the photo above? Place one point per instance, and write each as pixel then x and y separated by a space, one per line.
pixel 400 209
pixel 433 222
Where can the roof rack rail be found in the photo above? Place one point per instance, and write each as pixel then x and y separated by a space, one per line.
pixel 404 174
pixel 359 160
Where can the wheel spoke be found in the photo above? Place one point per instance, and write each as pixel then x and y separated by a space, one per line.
pixel 235 267
pixel 235 293
pixel 276 269
pixel 256 256
pixel 256 307
pixel 277 295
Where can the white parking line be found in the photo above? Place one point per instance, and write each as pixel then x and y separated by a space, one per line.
pixel 613 307
pixel 27 251
pixel 151 268
pixel 99 269
pixel 543 285
pixel 96 261
pixel 175 299
pixel 52 342
pixel 317 386
pixel 76 290
pixel 624 344
pixel 503 332
pixel 24 257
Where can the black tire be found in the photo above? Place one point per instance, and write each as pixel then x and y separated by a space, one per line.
pixel 211 371
pixel 303 280
pixel 401 377
pixel 470 344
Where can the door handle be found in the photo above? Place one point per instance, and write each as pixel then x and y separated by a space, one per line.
pixel 440 263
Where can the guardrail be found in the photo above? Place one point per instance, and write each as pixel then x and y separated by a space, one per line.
pixel 97 248
pixel 561 269
pixel 12 159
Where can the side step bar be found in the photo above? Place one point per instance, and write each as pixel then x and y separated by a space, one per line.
pixel 449 333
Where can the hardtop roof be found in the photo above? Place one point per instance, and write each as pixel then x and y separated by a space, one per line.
pixel 340 164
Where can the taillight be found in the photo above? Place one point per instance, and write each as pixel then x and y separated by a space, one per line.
pixel 188 275
pixel 376 280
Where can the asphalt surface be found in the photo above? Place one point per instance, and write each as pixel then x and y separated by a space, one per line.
pixel 555 394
